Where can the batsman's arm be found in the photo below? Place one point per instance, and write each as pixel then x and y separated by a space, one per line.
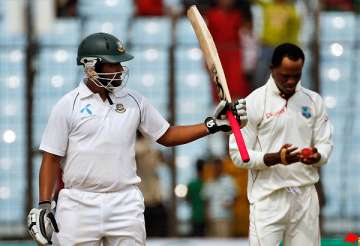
pixel 53 145
pixel 177 135
pixel 41 221
pixel 48 175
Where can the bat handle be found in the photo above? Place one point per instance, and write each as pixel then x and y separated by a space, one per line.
pixel 238 136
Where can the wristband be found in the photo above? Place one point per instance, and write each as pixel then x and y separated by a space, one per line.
pixel 283 156
pixel 211 125
pixel 45 204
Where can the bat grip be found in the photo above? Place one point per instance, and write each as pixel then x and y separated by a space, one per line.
pixel 238 136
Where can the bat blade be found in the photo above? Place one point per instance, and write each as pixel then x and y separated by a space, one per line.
pixel 209 50
pixel 216 71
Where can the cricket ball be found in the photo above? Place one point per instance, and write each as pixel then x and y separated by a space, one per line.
pixel 306 152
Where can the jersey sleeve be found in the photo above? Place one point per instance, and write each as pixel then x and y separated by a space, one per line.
pixel 322 134
pixel 249 133
pixel 152 122
pixel 55 136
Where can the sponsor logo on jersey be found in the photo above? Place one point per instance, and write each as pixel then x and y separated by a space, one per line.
pixel 277 113
pixel 86 110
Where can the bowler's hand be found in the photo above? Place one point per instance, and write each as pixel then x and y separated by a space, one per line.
pixel 312 158
pixel 289 154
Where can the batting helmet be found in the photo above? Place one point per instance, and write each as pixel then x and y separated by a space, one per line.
pixel 103 46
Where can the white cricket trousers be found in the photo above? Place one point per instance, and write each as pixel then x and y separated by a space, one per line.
pixel 92 219
pixel 290 215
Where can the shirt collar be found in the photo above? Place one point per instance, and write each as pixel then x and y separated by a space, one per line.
pixel 84 91
pixel 120 92
pixel 275 90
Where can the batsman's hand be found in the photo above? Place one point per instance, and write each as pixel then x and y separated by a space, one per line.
pixel 219 122
pixel 41 223
pixel 238 109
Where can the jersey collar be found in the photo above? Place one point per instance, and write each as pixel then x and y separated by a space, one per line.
pixel 84 91
pixel 120 92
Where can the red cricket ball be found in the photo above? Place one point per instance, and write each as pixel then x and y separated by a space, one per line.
pixel 306 152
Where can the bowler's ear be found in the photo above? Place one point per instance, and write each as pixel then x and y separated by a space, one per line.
pixel 271 66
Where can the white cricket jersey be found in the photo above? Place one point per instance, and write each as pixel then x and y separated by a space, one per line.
pixel 97 140
pixel 274 121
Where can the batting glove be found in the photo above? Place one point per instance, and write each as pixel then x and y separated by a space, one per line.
pixel 238 109
pixel 41 223
pixel 219 122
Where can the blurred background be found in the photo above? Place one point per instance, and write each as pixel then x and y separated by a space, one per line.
pixel 182 186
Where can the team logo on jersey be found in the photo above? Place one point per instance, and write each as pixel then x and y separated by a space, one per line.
pixel 306 112
pixel 86 110
pixel 120 108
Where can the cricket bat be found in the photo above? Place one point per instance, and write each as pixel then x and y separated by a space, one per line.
pixel 213 63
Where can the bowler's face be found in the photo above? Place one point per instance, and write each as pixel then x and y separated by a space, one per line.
pixel 288 75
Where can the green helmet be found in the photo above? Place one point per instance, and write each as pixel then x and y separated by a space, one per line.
pixel 103 46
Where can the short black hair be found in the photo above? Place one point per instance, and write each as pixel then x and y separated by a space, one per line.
pixel 291 51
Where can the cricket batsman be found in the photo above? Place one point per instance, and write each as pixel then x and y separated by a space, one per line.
pixel 91 135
